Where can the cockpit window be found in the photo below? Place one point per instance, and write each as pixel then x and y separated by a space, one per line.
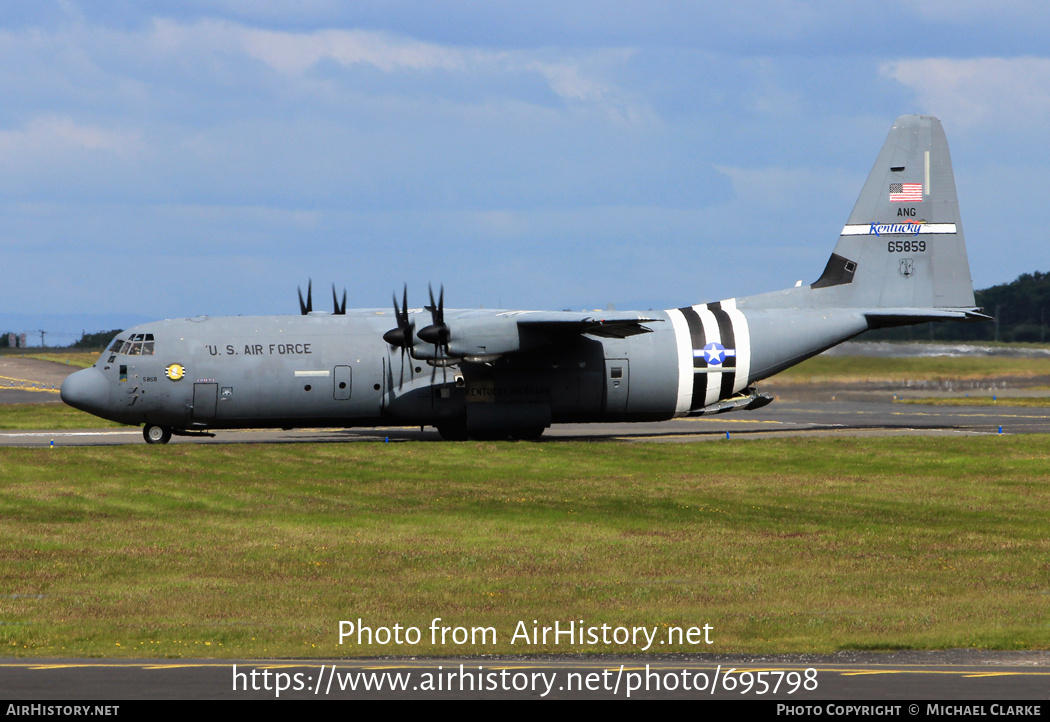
pixel 138 344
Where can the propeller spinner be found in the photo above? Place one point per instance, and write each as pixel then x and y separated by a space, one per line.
pixel 403 335
pixel 437 333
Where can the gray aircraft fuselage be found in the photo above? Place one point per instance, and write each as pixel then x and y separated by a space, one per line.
pixel 900 259
pixel 288 371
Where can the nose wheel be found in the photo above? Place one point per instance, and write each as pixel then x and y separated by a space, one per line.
pixel 154 434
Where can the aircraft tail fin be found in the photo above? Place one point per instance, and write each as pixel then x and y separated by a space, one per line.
pixel 903 246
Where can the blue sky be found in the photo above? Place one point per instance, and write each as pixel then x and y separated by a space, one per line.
pixel 166 159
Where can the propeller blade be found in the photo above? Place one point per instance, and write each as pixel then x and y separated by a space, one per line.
pixel 433 377
pixel 437 310
pixel 437 333
pixel 340 309
pixel 403 334
pixel 307 307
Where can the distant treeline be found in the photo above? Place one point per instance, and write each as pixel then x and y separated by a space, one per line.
pixel 1022 310
pixel 87 340
pixel 96 340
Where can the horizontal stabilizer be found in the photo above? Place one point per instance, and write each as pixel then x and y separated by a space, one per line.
pixel 888 317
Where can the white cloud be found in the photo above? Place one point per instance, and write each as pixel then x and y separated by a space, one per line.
pixel 1006 92
pixel 295 52
pixel 581 79
pixel 568 82
pixel 56 135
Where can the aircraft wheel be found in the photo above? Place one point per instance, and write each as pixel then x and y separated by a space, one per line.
pixel 154 434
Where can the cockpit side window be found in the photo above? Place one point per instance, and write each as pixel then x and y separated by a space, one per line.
pixel 138 344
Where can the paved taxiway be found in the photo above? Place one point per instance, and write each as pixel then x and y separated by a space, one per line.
pixel 799 410
pixel 942 675
pixel 29 381
pixel 807 418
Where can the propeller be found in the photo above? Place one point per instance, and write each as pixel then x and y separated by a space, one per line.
pixel 437 333
pixel 307 307
pixel 340 308
pixel 403 335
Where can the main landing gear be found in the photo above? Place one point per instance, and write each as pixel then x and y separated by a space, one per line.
pixel 154 434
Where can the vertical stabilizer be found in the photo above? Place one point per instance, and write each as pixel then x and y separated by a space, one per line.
pixel 902 246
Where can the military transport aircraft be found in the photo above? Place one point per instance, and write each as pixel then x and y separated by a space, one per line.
pixel 900 259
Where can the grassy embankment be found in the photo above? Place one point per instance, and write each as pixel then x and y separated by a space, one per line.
pixel 1029 402
pixel 779 545
pixel 80 359
pixel 854 369
pixel 52 416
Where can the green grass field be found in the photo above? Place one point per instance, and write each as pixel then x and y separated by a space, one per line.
pixel 853 369
pixel 48 416
pixel 780 545
pixel 1029 402
pixel 80 359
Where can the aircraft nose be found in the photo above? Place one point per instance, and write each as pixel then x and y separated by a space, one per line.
pixel 87 390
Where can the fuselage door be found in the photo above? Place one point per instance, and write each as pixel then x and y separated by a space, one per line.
pixel 204 399
pixel 617 377
pixel 341 382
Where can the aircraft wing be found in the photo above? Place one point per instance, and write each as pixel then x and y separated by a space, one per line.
pixel 605 325
pixel 480 335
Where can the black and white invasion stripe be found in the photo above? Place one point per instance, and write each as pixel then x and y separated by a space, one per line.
pixel 701 383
